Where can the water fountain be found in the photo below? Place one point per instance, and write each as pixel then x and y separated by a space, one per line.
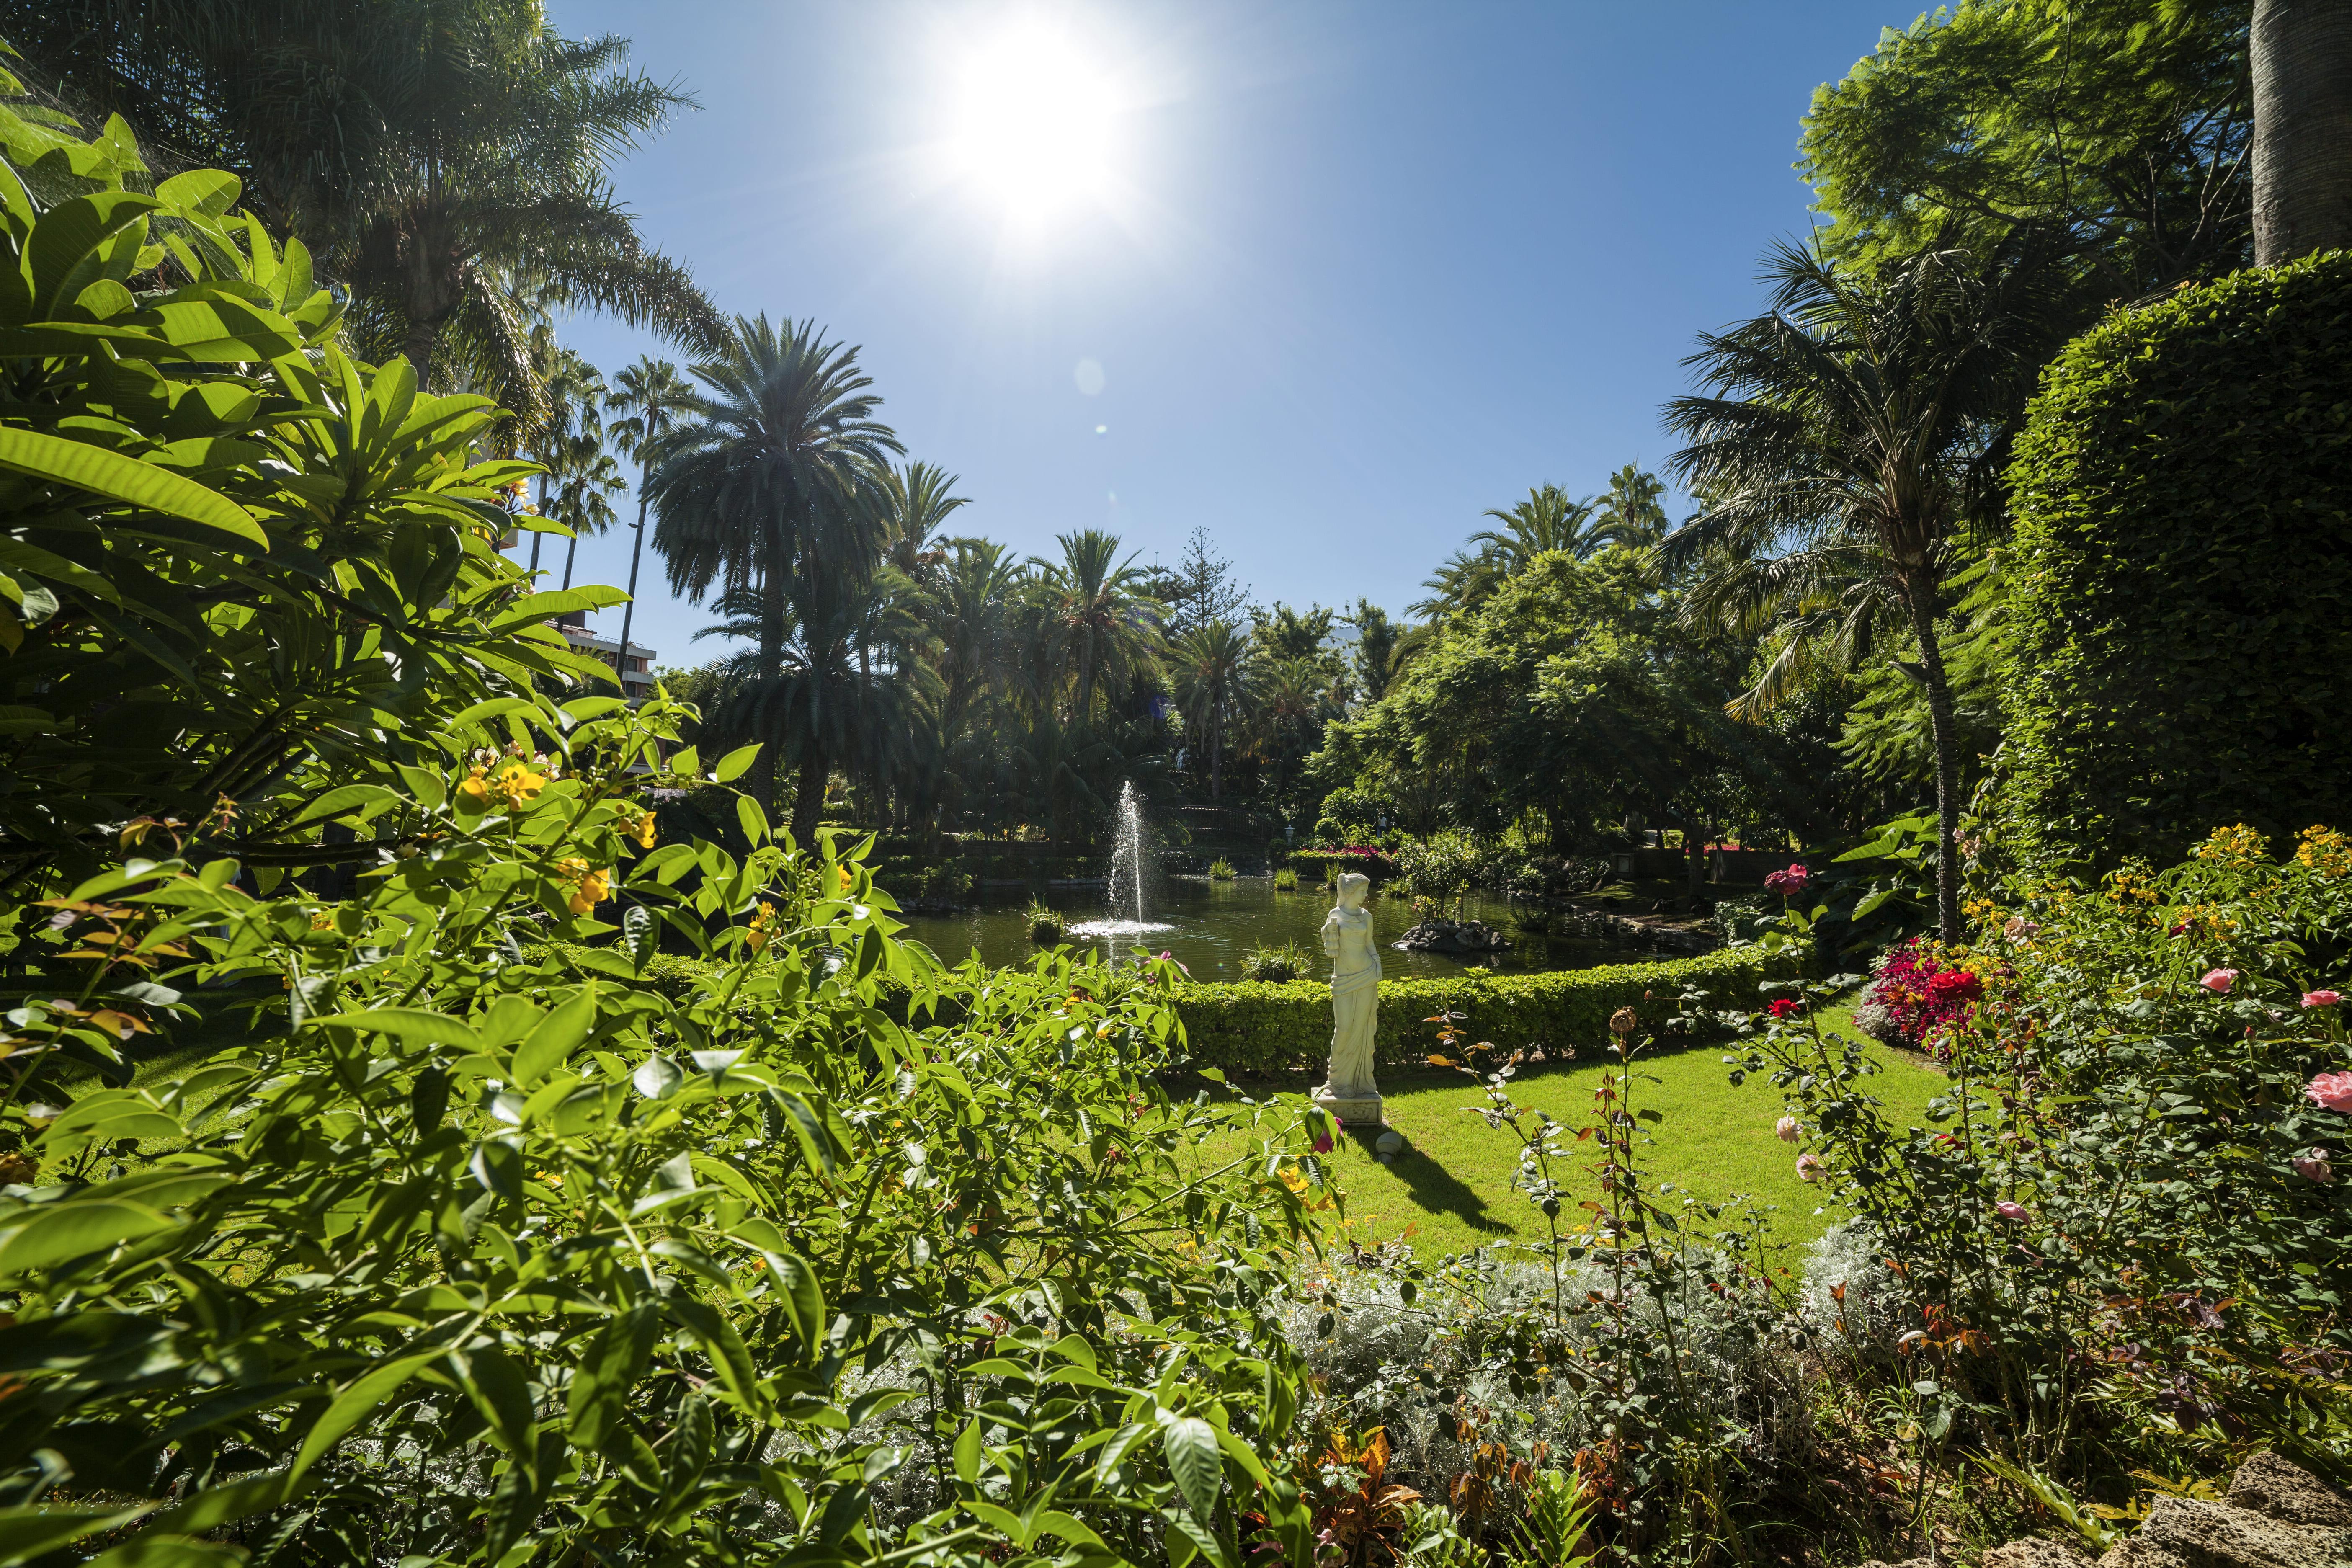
pixel 1126 920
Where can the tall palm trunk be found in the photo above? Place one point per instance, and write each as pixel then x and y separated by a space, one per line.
pixel 808 798
pixel 2301 55
pixel 771 671
pixel 1945 731
pixel 1216 747
pixel 416 347
pixel 629 610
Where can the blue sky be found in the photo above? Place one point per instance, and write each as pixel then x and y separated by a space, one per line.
pixel 1351 274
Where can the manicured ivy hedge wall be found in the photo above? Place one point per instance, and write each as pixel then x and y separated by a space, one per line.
pixel 1254 1027
pixel 2182 582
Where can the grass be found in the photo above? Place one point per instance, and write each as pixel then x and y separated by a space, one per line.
pixel 1451 1190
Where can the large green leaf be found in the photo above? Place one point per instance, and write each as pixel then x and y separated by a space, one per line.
pixel 126 479
pixel 68 1230
pixel 1190 1445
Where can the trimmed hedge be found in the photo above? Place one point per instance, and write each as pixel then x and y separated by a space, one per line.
pixel 1254 1027
pixel 1279 1026
pixel 2182 589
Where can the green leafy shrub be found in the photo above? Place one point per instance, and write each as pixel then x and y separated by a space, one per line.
pixel 1286 880
pixel 1265 1026
pixel 456 1254
pixel 2182 584
pixel 1288 962
pixel 238 570
pixel 1221 870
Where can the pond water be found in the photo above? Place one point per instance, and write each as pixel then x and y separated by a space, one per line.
pixel 1212 926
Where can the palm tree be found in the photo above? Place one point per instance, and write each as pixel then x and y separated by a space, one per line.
pixel 918 501
pixel 2299 55
pixel 1209 667
pixel 1100 624
pixel 650 394
pixel 1848 437
pixel 773 478
pixel 1630 512
pixel 1547 521
pixel 584 479
pixel 569 444
pixel 968 605
pixel 441 157
pixel 571 393
pixel 824 698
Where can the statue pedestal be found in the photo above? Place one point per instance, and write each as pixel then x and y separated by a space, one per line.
pixel 1352 1109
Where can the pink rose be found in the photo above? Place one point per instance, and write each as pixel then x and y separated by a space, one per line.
pixel 1789 883
pixel 1787 1129
pixel 1809 1169
pixel 2219 981
pixel 2314 1167
pixel 2320 998
pixel 2330 1090
pixel 2008 1210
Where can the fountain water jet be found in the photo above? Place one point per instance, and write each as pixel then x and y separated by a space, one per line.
pixel 1127 919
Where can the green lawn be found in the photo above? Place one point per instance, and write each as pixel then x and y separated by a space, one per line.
pixel 1451 1190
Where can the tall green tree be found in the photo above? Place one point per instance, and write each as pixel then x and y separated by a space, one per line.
pixel 1548 520
pixel 1101 626
pixel 2120 124
pixel 916 502
pixel 1376 640
pixel 441 157
pixel 772 474
pixel 648 396
pixel 1210 669
pixel 822 695
pixel 1846 441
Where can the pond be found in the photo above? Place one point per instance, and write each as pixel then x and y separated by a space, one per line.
pixel 1211 927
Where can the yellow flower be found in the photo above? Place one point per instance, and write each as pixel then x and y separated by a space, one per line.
pixel 2326 851
pixel 2237 842
pixel 516 781
pixel 763 926
pixel 474 789
pixel 589 886
pixel 642 830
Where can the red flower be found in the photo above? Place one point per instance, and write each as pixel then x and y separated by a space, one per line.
pixel 1952 988
pixel 1790 883
pixel 1786 1007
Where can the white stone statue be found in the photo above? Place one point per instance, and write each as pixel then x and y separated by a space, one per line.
pixel 1348 1090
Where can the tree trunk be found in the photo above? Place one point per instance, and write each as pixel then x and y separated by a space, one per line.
pixel 808 801
pixel 1216 753
pixel 771 669
pixel 1694 855
pixel 629 610
pixel 1946 732
pixel 2301 56
pixel 418 346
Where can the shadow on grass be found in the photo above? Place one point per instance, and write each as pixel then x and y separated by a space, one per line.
pixel 1432 1188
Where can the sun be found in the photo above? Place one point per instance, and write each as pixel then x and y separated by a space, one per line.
pixel 1032 122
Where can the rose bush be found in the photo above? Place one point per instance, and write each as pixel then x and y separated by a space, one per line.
pixel 2122 1223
